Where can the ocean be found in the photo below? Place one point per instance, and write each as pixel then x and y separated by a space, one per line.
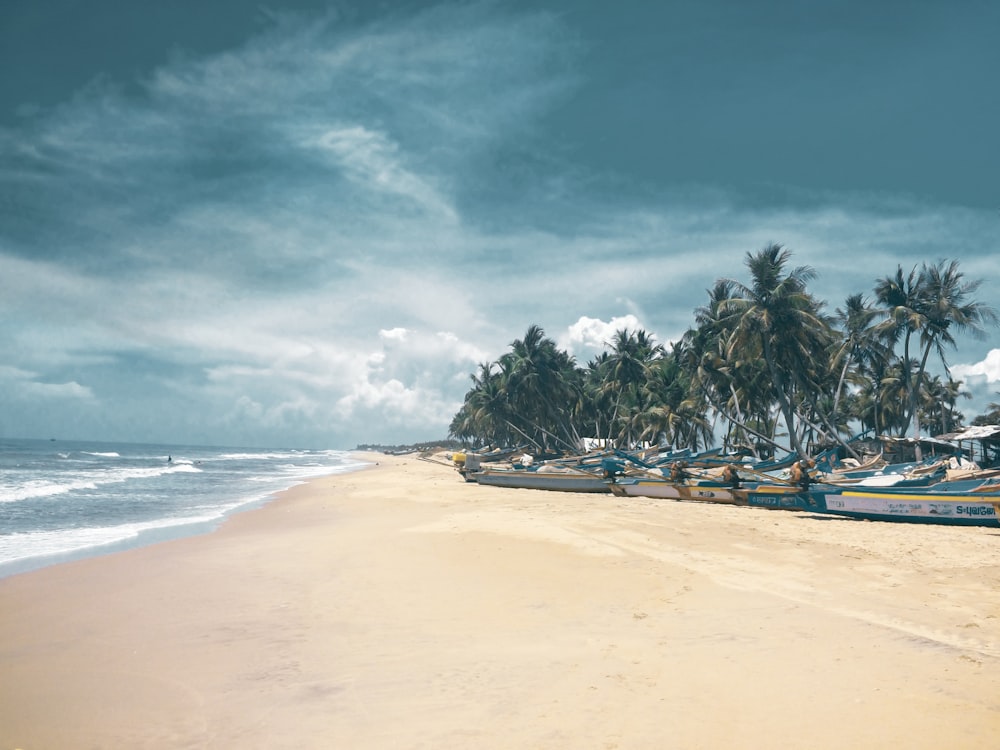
pixel 64 500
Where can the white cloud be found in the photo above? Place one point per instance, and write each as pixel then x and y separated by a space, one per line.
pixel 349 260
pixel 27 384
pixel 395 404
pixel 987 369
pixel 591 335
pixel 398 334
pixel 373 160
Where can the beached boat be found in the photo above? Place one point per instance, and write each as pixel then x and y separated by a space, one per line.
pixel 907 474
pixel 702 479
pixel 664 488
pixel 590 472
pixel 785 496
pixel 545 477
pixel 970 507
pixel 954 506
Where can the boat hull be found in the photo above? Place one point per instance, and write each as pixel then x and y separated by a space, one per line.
pixel 536 480
pixel 925 507
pixel 781 497
pixel 666 490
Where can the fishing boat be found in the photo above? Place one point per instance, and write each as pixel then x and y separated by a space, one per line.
pixel 665 488
pixel 544 477
pixel 781 496
pixel 590 472
pixel 939 505
pixel 675 481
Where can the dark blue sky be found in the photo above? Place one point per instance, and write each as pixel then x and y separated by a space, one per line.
pixel 845 95
pixel 307 222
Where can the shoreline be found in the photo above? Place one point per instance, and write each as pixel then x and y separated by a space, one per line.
pixel 166 532
pixel 397 606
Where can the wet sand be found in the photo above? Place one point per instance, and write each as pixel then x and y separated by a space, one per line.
pixel 399 607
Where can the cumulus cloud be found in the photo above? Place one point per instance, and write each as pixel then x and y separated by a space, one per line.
pixel 987 369
pixel 591 335
pixel 410 379
pixel 398 334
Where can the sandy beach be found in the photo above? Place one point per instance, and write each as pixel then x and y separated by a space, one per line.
pixel 399 607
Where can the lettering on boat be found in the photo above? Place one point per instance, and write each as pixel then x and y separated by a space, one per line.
pixel 888 507
pixel 765 499
pixel 776 501
pixel 975 510
pixel 704 493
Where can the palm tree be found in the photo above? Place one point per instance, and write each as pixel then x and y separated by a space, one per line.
pixel 594 407
pixel 947 309
pixel 632 352
pixel 932 304
pixel 861 346
pixel 538 387
pixel 939 404
pixel 484 417
pixel 990 417
pixel 901 296
pixel 775 319
pixel 670 410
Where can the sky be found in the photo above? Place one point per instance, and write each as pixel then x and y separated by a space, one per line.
pixel 304 224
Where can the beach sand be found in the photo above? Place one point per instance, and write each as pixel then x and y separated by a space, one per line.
pixel 399 607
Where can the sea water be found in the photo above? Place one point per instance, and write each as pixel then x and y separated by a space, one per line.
pixel 62 500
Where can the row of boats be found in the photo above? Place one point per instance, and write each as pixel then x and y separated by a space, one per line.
pixel 945 489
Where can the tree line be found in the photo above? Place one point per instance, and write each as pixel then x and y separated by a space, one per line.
pixel 763 361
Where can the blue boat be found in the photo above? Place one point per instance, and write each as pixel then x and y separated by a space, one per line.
pixel 972 507
pixel 785 496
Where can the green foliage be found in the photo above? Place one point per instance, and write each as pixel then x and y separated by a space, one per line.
pixel 761 355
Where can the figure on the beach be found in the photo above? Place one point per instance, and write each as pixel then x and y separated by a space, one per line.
pixel 677 471
pixel 731 476
pixel 799 473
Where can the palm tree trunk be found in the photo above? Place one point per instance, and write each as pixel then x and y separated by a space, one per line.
pixel 734 421
pixel 783 401
pixel 915 412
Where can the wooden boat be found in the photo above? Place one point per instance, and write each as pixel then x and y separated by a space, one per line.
pixel 970 507
pixel 785 496
pixel 701 480
pixel 665 488
pixel 586 473
pixel 544 477
pixel 913 474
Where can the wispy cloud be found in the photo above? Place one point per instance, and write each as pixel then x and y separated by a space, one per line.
pixel 371 160
pixel 325 229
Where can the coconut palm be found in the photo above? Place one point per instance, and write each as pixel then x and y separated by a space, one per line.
pixel 992 416
pixel 901 296
pixel 539 389
pixel 860 345
pixel 484 416
pixel 670 410
pixel 930 304
pixel 938 404
pixel 775 319
pixel 947 309
pixel 632 352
